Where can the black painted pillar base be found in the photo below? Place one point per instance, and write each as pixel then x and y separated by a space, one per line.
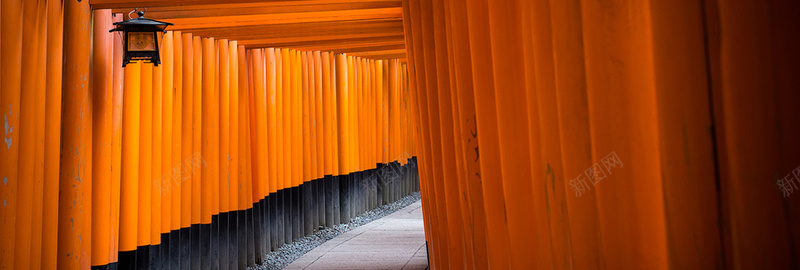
pixel 267 230
pixel 233 240
pixel 344 198
pixel 164 250
pixel 336 200
pixel 297 214
pixel 155 258
pixel 127 260
pixel 142 257
pixel 223 241
pixel 273 220
pixel 279 219
pixel 257 232
pixel 194 234
pixel 307 191
pixel 214 242
pixel 288 212
pixel 249 223
pixel 327 187
pixel 264 228
pixel 319 201
pixel 380 185
pixel 205 246
pixel 241 232
pixel 185 248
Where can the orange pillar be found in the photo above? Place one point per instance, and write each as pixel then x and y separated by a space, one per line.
pixel 130 164
pixel 225 128
pixel 297 120
pixel 74 219
pixel 102 137
pixel 158 172
pixel 306 128
pixel 167 128
pixel 145 152
pixel 52 155
pixel 467 133
pixel 208 59
pixel 27 128
pixel 485 108
pixel 11 77
pixel 272 121
pixel 242 157
pixel 614 53
pixel 326 115
pixel 197 130
pixel 318 117
pixel 342 113
pixel 157 188
pixel 215 138
pixel 116 140
pixel 38 176
pixel 192 167
pixel 176 127
pixel 287 83
pixel 261 130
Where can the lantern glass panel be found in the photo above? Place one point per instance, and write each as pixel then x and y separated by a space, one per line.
pixel 141 41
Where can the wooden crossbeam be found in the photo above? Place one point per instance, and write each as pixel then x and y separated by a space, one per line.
pixel 222 10
pixel 297 32
pixel 378 53
pixel 285 18
pixel 325 43
pixel 365 28
pixel 130 4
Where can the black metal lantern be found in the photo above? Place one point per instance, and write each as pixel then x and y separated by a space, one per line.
pixel 140 38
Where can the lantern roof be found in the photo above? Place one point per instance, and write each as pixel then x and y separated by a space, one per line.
pixel 141 21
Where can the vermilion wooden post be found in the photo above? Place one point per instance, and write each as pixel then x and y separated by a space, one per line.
pixel 38 136
pixel 191 167
pixel 636 117
pixel 751 75
pixel 145 165
pixel 335 127
pixel 225 150
pixel 102 100
pixel 272 121
pixel 261 137
pixel 326 92
pixel 468 128
pixel 242 157
pixel 11 77
pixel 159 173
pixel 306 128
pixel 197 141
pixel 116 140
pixel 285 128
pixel 251 255
pixel 440 242
pixel 74 222
pixel 167 164
pixel 52 154
pixel 177 137
pixel 297 121
pixel 208 60
pixel 27 130
pixel 308 160
pixel 233 199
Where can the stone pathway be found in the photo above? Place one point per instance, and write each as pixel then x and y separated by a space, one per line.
pixel 396 241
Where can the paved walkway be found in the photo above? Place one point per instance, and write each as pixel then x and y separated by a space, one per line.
pixel 396 241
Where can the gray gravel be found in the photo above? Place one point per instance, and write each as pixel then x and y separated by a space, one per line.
pixel 288 253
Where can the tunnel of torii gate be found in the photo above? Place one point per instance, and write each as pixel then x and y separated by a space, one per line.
pixel 541 134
